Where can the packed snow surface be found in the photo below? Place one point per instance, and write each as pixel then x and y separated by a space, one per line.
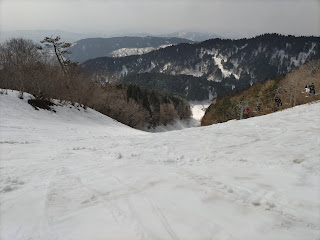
pixel 77 174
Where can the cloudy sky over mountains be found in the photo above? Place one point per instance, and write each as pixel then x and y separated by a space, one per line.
pixel 242 17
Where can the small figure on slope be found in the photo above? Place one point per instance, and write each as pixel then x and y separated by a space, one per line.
pixel 278 101
pixel 307 88
pixel 312 88
pixel 246 115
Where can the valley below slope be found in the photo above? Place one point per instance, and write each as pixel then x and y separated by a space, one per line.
pixel 77 174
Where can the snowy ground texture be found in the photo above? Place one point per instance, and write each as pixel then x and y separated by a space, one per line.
pixel 78 174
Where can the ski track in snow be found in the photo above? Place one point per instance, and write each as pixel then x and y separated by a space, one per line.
pixel 81 175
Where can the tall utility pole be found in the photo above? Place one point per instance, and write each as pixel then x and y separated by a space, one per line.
pixel 242 105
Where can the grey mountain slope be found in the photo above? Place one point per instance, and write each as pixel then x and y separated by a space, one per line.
pixel 98 47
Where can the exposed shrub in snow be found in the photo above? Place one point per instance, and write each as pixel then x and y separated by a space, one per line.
pixel 41 103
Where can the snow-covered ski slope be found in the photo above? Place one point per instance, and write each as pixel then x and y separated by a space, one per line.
pixel 81 175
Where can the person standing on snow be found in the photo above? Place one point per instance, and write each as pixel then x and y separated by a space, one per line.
pixel 278 101
pixel 247 113
pixel 307 88
pixel 312 88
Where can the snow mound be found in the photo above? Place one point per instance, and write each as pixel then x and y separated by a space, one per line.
pixel 64 115
pixel 77 174
pixel 198 109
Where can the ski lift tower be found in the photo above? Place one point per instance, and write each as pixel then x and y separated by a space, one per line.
pixel 242 105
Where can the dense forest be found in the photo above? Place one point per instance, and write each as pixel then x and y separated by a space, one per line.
pixel 190 87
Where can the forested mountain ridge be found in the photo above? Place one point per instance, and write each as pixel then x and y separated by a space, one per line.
pixel 190 87
pixel 90 48
pixel 233 63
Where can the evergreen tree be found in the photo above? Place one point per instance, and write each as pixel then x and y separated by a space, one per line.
pixel 60 51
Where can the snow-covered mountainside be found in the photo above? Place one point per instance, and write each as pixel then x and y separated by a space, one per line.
pixel 90 48
pixel 77 174
pixel 123 52
pixel 233 63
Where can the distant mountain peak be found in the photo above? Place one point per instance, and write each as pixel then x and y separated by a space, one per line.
pixel 193 36
pixel 90 48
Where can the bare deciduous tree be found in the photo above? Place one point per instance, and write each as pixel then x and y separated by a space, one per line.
pixel 16 57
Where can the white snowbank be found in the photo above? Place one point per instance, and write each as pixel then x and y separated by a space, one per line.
pixel 78 174
pixel 199 108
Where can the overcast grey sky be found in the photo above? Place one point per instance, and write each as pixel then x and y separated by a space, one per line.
pixel 244 17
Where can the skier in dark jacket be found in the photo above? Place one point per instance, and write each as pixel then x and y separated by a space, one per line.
pixel 312 88
pixel 278 101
